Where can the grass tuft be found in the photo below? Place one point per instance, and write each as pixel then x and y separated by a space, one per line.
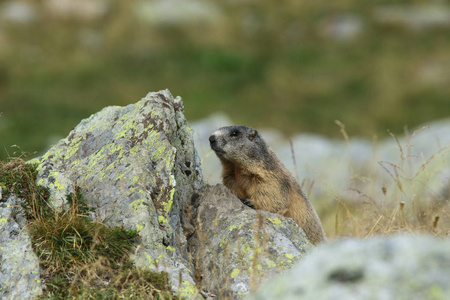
pixel 18 178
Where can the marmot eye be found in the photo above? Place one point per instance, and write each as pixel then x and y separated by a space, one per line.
pixel 234 133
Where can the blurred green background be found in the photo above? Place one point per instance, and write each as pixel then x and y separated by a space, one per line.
pixel 292 65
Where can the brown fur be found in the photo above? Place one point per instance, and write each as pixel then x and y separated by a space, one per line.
pixel 255 173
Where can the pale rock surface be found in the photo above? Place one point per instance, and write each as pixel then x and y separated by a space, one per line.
pixel 237 246
pixel 19 265
pixel 137 167
pixel 384 268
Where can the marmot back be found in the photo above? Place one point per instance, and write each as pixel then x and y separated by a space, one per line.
pixel 255 174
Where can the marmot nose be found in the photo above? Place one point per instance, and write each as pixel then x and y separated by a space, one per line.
pixel 212 138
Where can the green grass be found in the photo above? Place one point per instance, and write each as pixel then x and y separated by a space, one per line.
pixel 17 178
pixel 79 258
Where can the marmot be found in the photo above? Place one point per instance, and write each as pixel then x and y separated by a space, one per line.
pixel 254 174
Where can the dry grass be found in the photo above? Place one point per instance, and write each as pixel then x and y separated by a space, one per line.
pixel 408 205
pixel 370 218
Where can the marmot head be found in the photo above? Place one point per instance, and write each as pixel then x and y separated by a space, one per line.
pixel 238 144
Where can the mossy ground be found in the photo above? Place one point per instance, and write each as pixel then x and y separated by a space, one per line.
pixel 79 258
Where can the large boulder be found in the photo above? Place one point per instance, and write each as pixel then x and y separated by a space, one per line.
pixel 398 267
pixel 19 265
pixel 236 247
pixel 138 168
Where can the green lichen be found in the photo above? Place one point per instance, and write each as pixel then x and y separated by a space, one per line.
pixel 235 272
pixel 223 243
pixel 246 249
pixel 129 124
pixel 151 261
pixel 35 161
pixel 72 148
pixel 138 204
pixel 187 290
pixel 162 220
pixel 56 184
pixel 133 189
pixel 135 179
pixel 275 221
pixel 289 256
pixel 436 292
pixel 171 248
pixel 121 176
pixel 160 149
pixel 167 205
pixel 134 151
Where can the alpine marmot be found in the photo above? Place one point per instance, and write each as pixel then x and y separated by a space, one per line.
pixel 255 175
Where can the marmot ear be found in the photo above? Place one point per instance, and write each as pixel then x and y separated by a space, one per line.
pixel 253 133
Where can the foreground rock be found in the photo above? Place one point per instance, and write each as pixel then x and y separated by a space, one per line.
pixel 236 247
pixel 19 265
pixel 137 167
pixel 400 267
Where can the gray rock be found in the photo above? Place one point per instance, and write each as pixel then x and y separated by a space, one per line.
pixel 400 267
pixel 137 167
pixel 236 247
pixel 17 12
pixel 343 27
pixel 415 17
pixel 169 12
pixel 19 265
